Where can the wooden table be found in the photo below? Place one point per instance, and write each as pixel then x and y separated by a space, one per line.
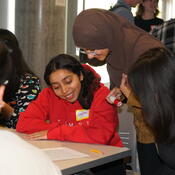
pixel 108 154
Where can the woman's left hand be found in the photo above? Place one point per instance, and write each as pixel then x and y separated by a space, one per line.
pixel 41 135
pixel 124 86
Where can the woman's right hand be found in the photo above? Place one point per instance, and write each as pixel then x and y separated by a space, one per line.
pixel 115 92
pixel 122 92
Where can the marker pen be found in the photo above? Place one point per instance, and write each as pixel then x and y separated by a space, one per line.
pixel 96 151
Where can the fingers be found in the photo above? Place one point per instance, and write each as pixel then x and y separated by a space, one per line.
pixel 124 86
pixel 117 93
pixel 2 89
pixel 36 136
pixel 31 137
pixel 114 93
pixel 124 81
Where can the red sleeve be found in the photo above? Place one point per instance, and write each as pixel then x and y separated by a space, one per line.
pixel 103 122
pixel 35 116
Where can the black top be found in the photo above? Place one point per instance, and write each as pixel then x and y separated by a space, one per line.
pixel 147 24
pixel 167 155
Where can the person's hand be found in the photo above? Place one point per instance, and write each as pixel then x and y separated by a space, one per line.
pixel 2 103
pixel 5 108
pixel 115 92
pixel 124 86
pixel 41 135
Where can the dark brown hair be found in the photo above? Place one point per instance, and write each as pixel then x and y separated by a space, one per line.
pixel 91 80
pixel 152 79
pixel 140 10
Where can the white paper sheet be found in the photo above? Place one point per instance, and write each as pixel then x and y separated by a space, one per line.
pixel 63 153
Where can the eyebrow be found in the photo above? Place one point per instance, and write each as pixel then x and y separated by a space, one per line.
pixel 61 80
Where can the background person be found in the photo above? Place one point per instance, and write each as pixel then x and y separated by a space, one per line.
pixel 166 34
pixel 146 15
pixel 23 86
pixel 123 8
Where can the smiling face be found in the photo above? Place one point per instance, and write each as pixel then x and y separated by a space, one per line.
pixel 66 84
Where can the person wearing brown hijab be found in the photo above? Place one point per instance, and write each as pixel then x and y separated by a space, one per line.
pixel 108 38
pixel 112 39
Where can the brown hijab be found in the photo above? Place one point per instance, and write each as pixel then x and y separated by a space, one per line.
pixel 96 29
pixel 100 29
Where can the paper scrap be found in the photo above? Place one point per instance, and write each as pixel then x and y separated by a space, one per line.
pixel 63 153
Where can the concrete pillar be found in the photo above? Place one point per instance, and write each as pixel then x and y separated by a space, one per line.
pixel 40 29
pixel 3 13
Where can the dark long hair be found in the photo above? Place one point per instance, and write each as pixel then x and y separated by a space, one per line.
pixel 140 10
pixel 89 84
pixel 5 64
pixel 152 79
pixel 20 66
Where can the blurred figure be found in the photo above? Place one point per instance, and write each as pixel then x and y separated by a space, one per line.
pixel 166 34
pixel 23 86
pixel 146 15
pixel 21 158
pixel 123 8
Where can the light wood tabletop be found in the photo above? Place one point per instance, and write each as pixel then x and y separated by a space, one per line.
pixel 98 154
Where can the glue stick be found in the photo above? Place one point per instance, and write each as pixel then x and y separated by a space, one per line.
pixel 115 101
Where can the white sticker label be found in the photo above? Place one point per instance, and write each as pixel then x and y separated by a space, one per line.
pixel 82 114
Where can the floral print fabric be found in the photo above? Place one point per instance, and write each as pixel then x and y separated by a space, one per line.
pixel 29 89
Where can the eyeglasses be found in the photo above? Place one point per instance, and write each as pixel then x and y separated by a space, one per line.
pixel 88 52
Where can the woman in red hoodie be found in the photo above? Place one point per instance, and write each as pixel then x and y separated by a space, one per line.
pixel 72 108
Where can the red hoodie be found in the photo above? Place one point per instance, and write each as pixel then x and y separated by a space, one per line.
pixel 69 121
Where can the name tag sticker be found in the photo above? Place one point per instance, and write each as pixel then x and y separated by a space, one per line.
pixel 82 114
